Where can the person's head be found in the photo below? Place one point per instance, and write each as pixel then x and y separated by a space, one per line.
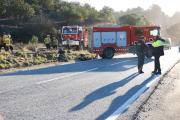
pixel 48 35
pixel 54 38
pixel 157 37
pixel 3 33
pixel 143 38
pixel 69 36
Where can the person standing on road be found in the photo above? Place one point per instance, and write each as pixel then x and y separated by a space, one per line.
pixel 158 51
pixel 141 49
pixel 55 43
pixel 47 41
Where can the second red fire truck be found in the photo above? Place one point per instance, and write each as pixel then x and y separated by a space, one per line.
pixel 78 36
pixel 109 39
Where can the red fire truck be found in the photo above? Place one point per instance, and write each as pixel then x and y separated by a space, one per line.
pixel 79 36
pixel 109 39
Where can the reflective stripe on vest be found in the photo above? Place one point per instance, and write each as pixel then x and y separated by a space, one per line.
pixel 158 43
pixel 8 41
pixel 55 42
pixel 47 40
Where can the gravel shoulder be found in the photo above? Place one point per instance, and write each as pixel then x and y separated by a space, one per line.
pixel 164 104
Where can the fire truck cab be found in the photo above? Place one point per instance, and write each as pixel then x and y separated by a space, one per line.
pixel 109 39
pixel 78 36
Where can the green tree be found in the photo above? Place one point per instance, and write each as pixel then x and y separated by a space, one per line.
pixel 133 19
pixel 106 15
pixel 2 7
pixel 68 12
pixel 19 10
pixel 93 13
pixel 46 4
pixel 34 41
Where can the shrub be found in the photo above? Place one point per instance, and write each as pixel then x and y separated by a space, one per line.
pixel 27 64
pixel 10 60
pixel 30 61
pixel 11 65
pixel 44 55
pixel 19 64
pixel 34 41
pixel 5 62
pixel 39 58
pixel 2 57
pixel 2 66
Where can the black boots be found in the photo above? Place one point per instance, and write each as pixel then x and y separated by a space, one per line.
pixel 154 72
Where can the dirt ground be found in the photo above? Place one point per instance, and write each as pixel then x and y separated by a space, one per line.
pixel 164 104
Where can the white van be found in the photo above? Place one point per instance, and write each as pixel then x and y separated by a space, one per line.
pixel 167 43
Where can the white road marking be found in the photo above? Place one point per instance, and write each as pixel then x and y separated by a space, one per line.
pixel 120 62
pixel 123 107
pixel 76 73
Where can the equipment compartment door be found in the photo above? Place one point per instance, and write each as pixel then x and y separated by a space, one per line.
pixel 121 39
pixel 97 39
pixel 108 37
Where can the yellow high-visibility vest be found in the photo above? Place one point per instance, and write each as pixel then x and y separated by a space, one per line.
pixel 47 40
pixel 8 42
pixel 158 43
pixel 55 42
pixel 1 41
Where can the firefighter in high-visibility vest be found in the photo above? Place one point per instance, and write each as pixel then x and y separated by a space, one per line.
pixel 9 43
pixel 1 43
pixel 158 51
pixel 47 42
pixel 55 43
pixel 67 42
pixel 4 40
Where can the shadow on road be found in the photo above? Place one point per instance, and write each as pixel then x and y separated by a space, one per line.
pixel 120 100
pixel 102 65
pixel 103 92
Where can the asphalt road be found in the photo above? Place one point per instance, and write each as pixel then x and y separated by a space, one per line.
pixel 91 90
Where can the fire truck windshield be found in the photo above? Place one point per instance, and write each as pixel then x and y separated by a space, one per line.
pixel 154 31
pixel 70 30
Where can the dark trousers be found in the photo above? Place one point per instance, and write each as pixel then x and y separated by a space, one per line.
pixel 48 46
pixel 141 57
pixel 55 46
pixel 157 63
pixel 1 47
pixel 5 48
pixel 9 47
pixel 68 46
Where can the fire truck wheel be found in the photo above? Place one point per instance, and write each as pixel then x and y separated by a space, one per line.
pixel 149 53
pixel 108 53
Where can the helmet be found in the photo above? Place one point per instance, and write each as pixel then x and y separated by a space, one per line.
pixel 48 35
